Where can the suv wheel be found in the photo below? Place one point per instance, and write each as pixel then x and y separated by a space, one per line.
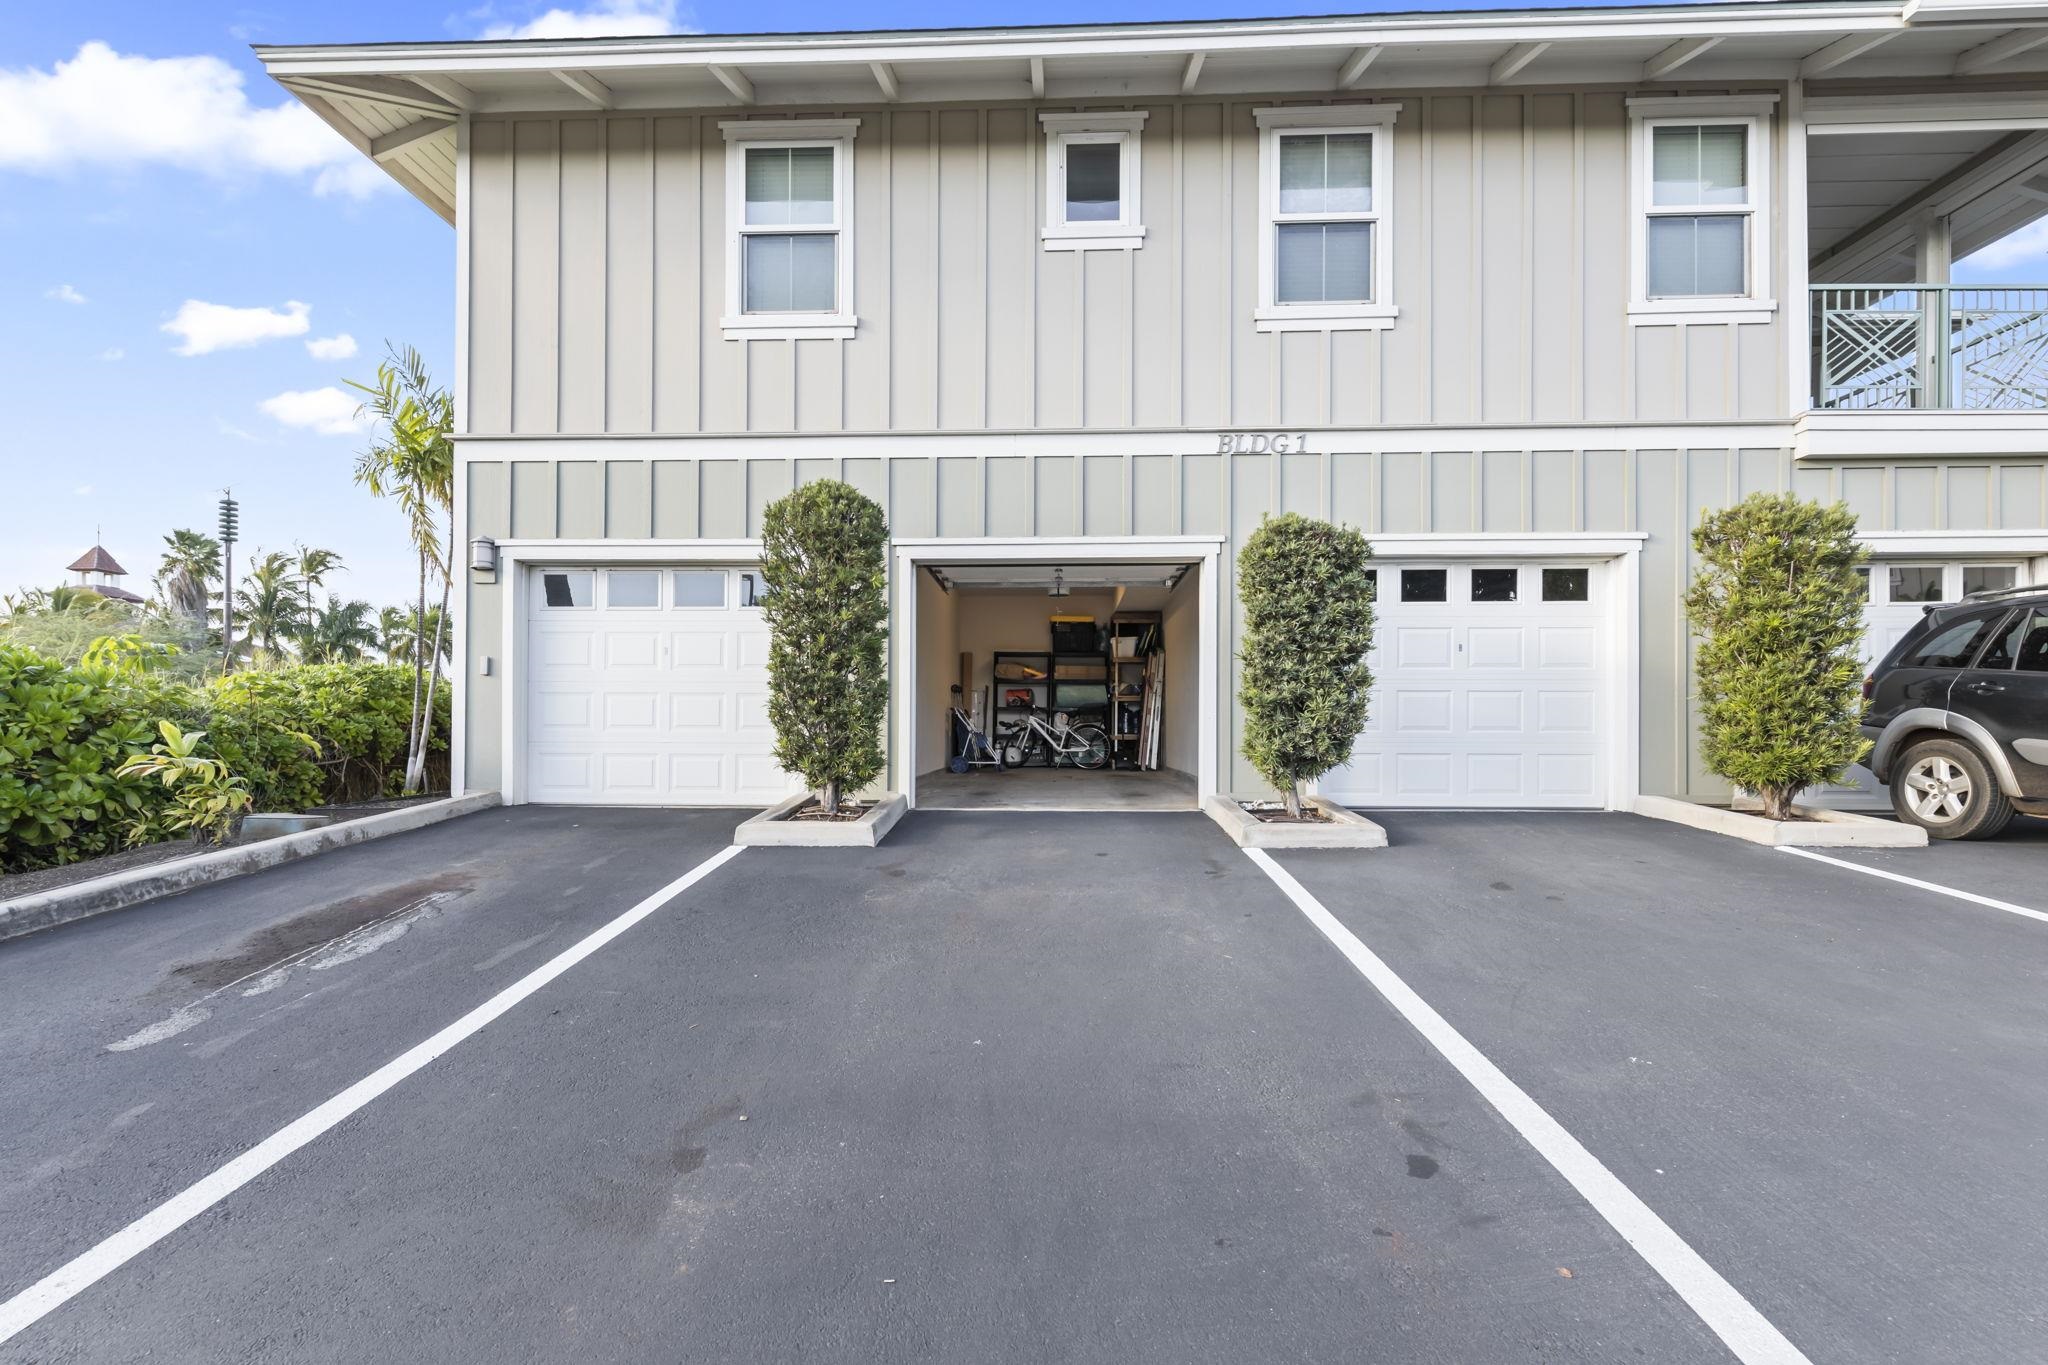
pixel 1942 786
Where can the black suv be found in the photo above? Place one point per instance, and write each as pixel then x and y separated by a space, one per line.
pixel 1958 712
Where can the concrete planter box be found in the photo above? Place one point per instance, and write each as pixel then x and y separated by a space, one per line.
pixel 773 828
pixel 1345 829
pixel 1822 828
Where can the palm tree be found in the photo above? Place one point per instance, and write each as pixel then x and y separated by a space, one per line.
pixel 414 462
pixel 339 632
pixel 397 640
pixel 271 604
pixel 184 577
pixel 315 565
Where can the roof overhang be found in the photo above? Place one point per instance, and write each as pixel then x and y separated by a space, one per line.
pixel 399 102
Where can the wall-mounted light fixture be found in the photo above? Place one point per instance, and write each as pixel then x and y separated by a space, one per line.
pixel 483 555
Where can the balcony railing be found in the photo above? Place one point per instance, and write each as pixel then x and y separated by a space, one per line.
pixel 1930 346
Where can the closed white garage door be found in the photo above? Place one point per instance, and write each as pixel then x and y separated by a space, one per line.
pixel 648 686
pixel 1490 686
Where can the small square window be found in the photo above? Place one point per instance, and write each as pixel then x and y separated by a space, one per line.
pixel 700 587
pixel 1094 182
pixel 632 588
pixel 1425 585
pixel 1372 584
pixel 751 589
pixel 568 588
pixel 1988 577
pixel 1565 585
pixel 1495 585
pixel 1093 179
pixel 1916 583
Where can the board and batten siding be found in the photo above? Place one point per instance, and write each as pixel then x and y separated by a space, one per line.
pixel 597 256
pixel 1658 491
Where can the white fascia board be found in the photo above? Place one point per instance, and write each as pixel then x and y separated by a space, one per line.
pixel 921 445
pixel 1853 436
pixel 1503 29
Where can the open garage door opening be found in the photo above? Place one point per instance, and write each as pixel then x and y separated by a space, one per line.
pixel 1077 684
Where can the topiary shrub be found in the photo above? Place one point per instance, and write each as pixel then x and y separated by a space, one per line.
pixel 1777 605
pixel 823 560
pixel 1302 679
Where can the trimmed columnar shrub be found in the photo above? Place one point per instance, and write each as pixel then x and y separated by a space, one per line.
pixel 1302 677
pixel 823 560
pixel 1777 605
pixel 297 737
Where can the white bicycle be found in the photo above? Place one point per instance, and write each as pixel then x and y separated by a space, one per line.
pixel 1058 744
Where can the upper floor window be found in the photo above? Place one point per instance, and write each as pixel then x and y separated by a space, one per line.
pixel 789 228
pixel 1092 180
pixel 1701 235
pixel 1325 250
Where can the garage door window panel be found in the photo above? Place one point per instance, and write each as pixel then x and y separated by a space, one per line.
pixel 632 588
pixel 569 588
pixel 1496 585
pixel 700 588
pixel 1425 585
pixel 1567 585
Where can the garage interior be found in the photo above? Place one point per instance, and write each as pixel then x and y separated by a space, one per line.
pixel 1108 644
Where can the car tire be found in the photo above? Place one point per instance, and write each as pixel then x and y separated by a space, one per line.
pixel 1945 787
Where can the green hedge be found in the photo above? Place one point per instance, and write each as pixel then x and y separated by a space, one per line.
pixel 65 730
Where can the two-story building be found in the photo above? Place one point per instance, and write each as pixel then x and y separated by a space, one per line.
pixel 1519 293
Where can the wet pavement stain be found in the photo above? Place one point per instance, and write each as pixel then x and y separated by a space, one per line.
pixel 317 926
pixel 1421 1167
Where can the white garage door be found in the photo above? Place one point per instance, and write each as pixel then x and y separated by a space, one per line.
pixel 1900 593
pixel 1490 684
pixel 648 687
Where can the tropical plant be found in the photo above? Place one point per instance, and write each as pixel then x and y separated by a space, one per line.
pixel 315 564
pixel 205 797
pixel 413 462
pixel 396 637
pixel 823 559
pixel 1777 604
pixel 187 572
pixel 128 655
pixel 271 605
pixel 338 633
pixel 64 732
pixel 1308 618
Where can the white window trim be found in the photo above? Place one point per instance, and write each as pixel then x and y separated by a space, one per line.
pixel 1753 112
pixel 1378 315
pixel 838 134
pixel 1127 233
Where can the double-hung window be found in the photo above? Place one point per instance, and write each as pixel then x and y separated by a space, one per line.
pixel 1701 233
pixel 789 228
pixel 1092 181
pixel 1325 251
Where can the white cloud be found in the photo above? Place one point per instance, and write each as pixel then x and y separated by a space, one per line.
pixel 64 293
pixel 604 19
pixel 106 108
pixel 338 347
pixel 206 327
pixel 2026 246
pixel 113 353
pixel 328 411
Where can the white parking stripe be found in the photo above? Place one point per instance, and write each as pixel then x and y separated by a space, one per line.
pixel 1731 1317
pixel 1936 887
pixel 91 1266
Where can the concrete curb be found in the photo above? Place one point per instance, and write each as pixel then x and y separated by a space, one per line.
pixel 773 828
pixel 1347 829
pixel 1822 828
pixel 119 890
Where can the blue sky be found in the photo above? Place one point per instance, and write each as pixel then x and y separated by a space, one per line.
pixel 185 261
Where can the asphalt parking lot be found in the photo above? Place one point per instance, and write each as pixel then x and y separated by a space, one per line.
pixel 1040 1087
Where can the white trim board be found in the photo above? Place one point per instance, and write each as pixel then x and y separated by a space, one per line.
pixel 907 554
